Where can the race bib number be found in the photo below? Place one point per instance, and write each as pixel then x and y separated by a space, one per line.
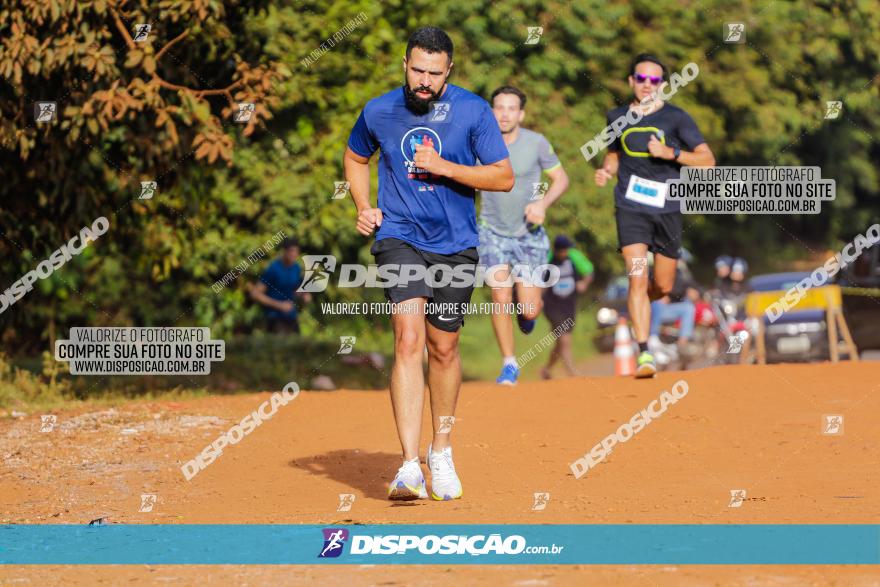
pixel 647 192
pixel 564 287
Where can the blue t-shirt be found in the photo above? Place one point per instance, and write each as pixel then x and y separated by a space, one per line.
pixel 281 283
pixel 429 212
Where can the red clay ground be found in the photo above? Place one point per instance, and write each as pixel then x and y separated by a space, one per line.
pixel 756 428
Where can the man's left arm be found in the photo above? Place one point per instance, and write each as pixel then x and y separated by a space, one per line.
pixel 583 283
pixel 549 162
pixel 583 268
pixel 487 145
pixel 558 185
pixel 494 177
pixel 701 156
pixel 537 210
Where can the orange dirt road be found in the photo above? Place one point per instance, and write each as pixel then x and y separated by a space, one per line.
pixel 756 428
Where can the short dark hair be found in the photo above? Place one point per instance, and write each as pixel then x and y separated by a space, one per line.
pixel 510 90
pixel 430 39
pixel 289 242
pixel 641 58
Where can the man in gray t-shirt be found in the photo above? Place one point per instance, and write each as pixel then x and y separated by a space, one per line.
pixel 511 231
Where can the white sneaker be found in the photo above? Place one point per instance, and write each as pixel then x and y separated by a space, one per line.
pixel 409 483
pixel 445 484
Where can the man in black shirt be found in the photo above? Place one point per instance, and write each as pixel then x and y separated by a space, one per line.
pixel 643 157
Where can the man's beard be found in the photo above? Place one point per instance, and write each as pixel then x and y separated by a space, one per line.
pixel 414 103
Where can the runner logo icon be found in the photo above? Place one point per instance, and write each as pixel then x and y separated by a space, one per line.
pixel 334 541
pixel 541 500
pixel 736 342
pixel 639 264
pixel 534 35
pixel 340 189
pixel 141 32
pixel 539 190
pixel 346 345
pixel 47 422
pixel 832 109
pixel 148 500
pixel 736 32
pixel 833 424
pixel 318 270
pixel 346 500
pixel 45 111
pixel 441 111
pixel 737 496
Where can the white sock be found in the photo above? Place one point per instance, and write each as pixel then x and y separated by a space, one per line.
pixel 510 361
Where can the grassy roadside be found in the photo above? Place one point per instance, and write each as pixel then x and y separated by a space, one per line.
pixel 261 362
pixel 22 390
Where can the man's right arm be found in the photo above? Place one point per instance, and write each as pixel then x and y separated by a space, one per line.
pixel 357 174
pixel 258 293
pixel 612 157
pixel 583 268
pixel 608 169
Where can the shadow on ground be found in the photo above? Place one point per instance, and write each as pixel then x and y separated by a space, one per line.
pixel 366 472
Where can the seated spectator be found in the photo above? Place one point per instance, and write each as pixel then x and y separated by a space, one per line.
pixel 678 305
pixel 276 289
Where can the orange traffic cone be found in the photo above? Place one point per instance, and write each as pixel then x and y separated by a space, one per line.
pixel 624 356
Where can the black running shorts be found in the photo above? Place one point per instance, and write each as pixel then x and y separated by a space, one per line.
pixel 661 232
pixel 447 303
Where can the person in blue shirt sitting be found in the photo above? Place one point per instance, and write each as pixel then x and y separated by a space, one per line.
pixel 276 289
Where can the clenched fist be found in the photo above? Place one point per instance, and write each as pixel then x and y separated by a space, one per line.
pixel 658 149
pixel 602 176
pixel 429 160
pixel 535 213
pixel 369 219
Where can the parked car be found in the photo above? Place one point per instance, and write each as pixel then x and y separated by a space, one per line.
pixel 797 335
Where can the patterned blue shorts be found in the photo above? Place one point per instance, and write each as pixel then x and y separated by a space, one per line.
pixel 532 248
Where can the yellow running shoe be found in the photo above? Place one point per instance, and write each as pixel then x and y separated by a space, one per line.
pixel 645 366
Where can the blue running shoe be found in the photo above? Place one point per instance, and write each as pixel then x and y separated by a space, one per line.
pixel 526 326
pixel 509 374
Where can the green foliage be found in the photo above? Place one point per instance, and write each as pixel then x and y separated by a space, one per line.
pixel 19 388
pixel 132 113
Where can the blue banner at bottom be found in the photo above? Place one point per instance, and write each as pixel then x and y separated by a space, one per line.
pixel 441 544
